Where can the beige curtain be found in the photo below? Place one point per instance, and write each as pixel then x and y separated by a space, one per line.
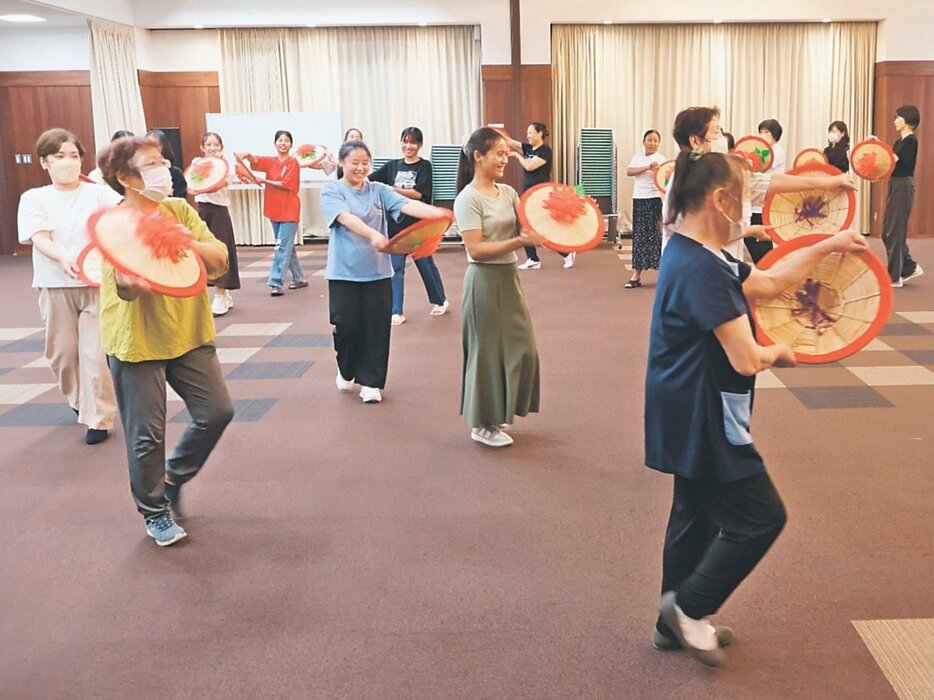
pixel 381 79
pixel 631 78
pixel 252 79
pixel 115 98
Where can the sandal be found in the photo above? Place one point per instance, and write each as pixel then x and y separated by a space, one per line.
pixel 632 284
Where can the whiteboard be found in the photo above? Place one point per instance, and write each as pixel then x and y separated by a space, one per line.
pixel 255 133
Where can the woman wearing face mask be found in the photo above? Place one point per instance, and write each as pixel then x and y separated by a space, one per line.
pixel 283 208
pixel 151 339
pixel 179 183
pixel 54 220
pixel 646 208
pixel 213 208
pixel 410 176
pixel 359 271
pixel 501 369
pixel 703 358
pixel 698 129
pixel 838 146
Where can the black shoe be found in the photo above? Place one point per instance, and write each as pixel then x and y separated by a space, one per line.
pixel 275 291
pixel 95 436
pixel 299 285
pixel 663 642
pixel 710 657
pixel 173 493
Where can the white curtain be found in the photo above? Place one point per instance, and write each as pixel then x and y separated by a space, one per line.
pixel 115 98
pixel 381 80
pixel 632 78
pixel 252 79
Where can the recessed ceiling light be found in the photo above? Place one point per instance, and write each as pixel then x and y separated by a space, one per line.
pixel 826 20
pixel 423 24
pixel 21 18
pixel 199 26
pixel 311 25
pixel 608 21
pixel 718 21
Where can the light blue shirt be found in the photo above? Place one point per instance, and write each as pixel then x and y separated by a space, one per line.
pixel 350 256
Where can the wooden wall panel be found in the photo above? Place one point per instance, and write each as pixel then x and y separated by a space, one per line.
pixel 30 103
pixel 898 83
pixel 536 95
pixel 498 108
pixel 180 99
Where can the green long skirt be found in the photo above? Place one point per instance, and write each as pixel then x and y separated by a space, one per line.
pixel 501 371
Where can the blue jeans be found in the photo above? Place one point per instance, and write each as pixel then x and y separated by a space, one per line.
pixel 285 253
pixel 430 276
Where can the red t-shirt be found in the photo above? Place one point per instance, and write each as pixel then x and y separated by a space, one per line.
pixel 278 204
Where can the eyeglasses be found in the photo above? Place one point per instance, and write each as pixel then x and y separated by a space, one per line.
pixel 155 163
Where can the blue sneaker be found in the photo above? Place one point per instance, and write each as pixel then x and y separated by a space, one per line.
pixel 164 530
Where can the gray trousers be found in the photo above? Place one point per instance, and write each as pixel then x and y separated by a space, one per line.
pixel 895 227
pixel 141 396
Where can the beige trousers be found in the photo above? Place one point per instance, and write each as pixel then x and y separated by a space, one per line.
pixel 73 346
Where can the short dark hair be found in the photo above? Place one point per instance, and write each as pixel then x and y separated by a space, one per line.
pixel 50 142
pixel 115 158
pixel 730 141
pixel 540 128
pixel 164 144
pixel 121 133
pixel 651 131
pixel 910 114
pixel 414 134
pixel 353 145
pixel 283 132
pixel 481 141
pixel 693 121
pixel 844 141
pixel 696 176
pixel 773 127
pixel 208 134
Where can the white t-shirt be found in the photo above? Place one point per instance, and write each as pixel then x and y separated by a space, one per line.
pixel 644 185
pixel 219 197
pixel 65 214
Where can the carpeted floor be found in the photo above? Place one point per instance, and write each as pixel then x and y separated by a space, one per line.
pixel 342 550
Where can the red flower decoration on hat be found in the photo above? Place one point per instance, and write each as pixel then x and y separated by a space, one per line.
pixel 564 204
pixel 164 235
pixel 201 170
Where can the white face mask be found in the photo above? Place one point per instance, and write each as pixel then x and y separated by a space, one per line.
pixel 833 138
pixel 719 145
pixel 738 228
pixel 157 183
pixel 64 171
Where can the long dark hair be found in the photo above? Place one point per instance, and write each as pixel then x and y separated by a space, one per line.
pixel 481 141
pixel 697 174
pixel 844 141
pixel 164 145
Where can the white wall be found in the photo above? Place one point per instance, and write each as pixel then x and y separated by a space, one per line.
pixel 179 50
pixel 902 37
pixel 51 48
pixel 121 11
pixel 491 15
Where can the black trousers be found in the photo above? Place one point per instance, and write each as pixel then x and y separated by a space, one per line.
pixel 717 533
pixel 757 249
pixel 531 253
pixel 361 313
pixel 901 198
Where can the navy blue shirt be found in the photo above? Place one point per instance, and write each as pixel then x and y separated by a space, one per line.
pixel 697 407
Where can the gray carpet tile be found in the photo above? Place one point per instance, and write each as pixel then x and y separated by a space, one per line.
pixel 25 345
pixel 269 370
pixel 302 340
pixel 245 411
pixel 38 414
pixel 840 397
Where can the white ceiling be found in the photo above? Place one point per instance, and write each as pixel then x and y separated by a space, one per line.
pixel 54 18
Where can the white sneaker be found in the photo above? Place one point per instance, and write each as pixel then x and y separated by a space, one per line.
pixel 439 309
pixel 914 275
pixel 899 283
pixel 488 435
pixel 343 384
pixel 569 260
pixel 398 319
pixel 229 299
pixel 219 306
pixel 530 265
pixel 370 394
